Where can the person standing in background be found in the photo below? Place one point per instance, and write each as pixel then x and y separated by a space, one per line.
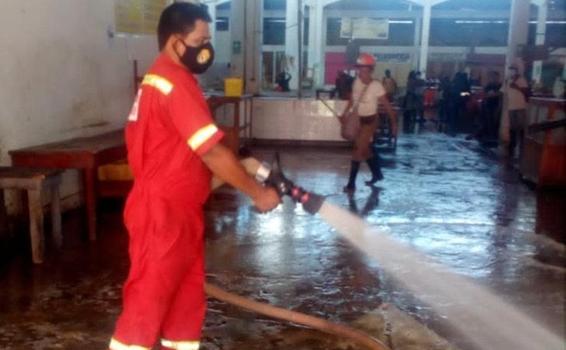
pixel 410 103
pixel 367 95
pixel 443 103
pixel 390 85
pixel 460 92
pixel 487 119
pixel 282 81
pixel 516 89
pixel 344 84
pixel 492 106
pixel 420 86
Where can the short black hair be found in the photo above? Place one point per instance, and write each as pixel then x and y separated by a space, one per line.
pixel 179 18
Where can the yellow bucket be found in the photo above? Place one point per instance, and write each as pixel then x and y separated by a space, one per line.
pixel 233 87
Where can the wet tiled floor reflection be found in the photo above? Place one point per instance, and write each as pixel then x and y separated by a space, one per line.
pixel 443 196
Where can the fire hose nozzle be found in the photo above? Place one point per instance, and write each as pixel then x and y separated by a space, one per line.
pixel 311 202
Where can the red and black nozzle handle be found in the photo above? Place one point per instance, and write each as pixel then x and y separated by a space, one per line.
pixel 311 202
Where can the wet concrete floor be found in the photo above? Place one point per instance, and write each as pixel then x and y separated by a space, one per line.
pixel 444 196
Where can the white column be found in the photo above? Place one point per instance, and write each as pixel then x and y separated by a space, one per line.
pixel 315 47
pixel 518 28
pixel 416 42
pixel 212 13
pixel 291 41
pixel 252 45
pixel 540 37
pixel 312 32
pixel 425 35
pixel 323 35
pixel 518 33
pixel 237 32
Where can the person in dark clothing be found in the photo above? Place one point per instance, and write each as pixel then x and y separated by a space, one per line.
pixel 410 103
pixel 488 117
pixel 492 106
pixel 282 80
pixel 344 84
pixel 443 103
pixel 420 86
pixel 390 85
pixel 460 92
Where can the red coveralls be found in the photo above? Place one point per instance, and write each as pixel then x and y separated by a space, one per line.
pixel 169 128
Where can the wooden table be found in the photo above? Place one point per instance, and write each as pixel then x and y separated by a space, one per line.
pixel 241 124
pixel 35 181
pixel 85 154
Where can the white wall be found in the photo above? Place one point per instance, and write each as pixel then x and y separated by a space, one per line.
pixel 223 47
pixel 298 120
pixel 62 76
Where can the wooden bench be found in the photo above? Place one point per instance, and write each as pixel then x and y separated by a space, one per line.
pixel 34 181
pixel 85 154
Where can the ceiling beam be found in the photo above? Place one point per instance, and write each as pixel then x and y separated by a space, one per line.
pixel 424 3
pixel 327 2
pixel 215 2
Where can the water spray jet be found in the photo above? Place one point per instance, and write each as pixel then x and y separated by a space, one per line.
pixel 273 176
pixel 479 315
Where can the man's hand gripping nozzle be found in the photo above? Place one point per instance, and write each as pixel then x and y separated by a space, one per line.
pixel 311 202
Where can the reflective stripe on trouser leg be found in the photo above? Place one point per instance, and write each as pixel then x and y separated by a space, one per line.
pixel 166 242
pixel 117 345
pixel 180 345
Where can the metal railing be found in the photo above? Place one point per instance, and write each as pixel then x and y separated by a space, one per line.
pixel 546 126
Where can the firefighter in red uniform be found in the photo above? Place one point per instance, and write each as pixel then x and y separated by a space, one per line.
pixel 173 150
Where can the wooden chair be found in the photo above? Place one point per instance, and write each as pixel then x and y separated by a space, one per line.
pixel 34 182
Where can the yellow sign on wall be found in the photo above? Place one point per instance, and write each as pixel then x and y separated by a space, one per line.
pixel 138 16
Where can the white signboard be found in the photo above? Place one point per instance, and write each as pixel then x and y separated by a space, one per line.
pixel 370 28
pixel 346 28
pixel 365 28
pixel 447 56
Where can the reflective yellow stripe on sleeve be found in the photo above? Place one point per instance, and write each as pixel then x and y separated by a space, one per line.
pixel 116 345
pixel 159 83
pixel 200 137
pixel 180 345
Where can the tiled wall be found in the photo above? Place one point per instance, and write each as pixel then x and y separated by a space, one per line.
pixel 294 119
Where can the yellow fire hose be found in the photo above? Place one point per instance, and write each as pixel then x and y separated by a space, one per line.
pixel 252 166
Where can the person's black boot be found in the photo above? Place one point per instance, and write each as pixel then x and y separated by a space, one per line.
pixel 375 167
pixel 354 168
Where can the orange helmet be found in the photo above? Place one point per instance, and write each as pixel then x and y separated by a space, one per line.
pixel 365 59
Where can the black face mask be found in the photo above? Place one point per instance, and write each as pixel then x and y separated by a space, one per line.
pixel 197 59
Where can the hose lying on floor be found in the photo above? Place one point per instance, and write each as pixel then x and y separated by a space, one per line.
pixel 295 317
pixel 254 168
